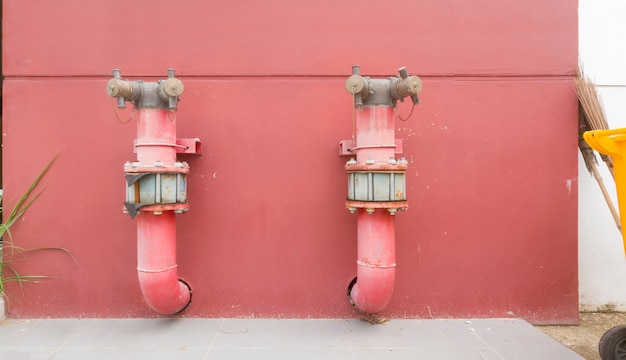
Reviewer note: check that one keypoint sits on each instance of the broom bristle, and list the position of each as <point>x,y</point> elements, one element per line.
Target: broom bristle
<point>590,102</point>
<point>588,155</point>
<point>593,117</point>
<point>587,152</point>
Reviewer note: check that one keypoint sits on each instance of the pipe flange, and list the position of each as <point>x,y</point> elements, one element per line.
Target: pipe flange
<point>137,167</point>
<point>377,167</point>
<point>179,208</point>
<point>400,205</point>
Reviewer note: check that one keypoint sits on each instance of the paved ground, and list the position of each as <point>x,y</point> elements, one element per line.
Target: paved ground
<point>201,339</point>
<point>584,338</point>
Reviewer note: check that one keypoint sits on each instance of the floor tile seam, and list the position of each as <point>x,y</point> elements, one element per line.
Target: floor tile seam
<point>211,345</point>
<point>74,336</point>
<point>18,348</point>
<point>355,348</point>
<point>489,346</point>
<point>148,347</point>
<point>279,348</point>
<point>525,346</point>
<point>131,348</point>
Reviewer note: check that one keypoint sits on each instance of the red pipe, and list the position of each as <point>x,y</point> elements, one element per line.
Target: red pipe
<point>376,262</point>
<point>375,127</point>
<point>156,126</point>
<point>156,232</point>
<point>156,263</point>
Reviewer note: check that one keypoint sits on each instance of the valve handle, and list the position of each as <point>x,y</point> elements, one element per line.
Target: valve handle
<point>114,89</point>
<point>403,73</point>
<point>415,99</point>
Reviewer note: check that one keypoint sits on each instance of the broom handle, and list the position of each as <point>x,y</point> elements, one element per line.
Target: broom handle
<point>608,161</point>
<point>607,198</point>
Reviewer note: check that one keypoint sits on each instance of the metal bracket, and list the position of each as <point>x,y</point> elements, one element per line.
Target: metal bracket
<point>347,147</point>
<point>189,146</point>
<point>182,146</point>
<point>132,209</point>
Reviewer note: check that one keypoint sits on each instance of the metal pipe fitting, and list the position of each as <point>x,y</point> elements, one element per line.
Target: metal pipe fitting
<point>358,86</point>
<point>170,89</point>
<point>123,90</point>
<point>164,94</point>
<point>383,92</point>
<point>405,85</point>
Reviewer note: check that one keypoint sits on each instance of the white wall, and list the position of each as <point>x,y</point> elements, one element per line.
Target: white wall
<point>602,264</point>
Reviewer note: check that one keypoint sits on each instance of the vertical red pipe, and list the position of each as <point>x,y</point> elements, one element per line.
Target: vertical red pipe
<point>374,126</point>
<point>156,126</point>
<point>376,264</point>
<point>376,232</point>
<point>156,263</point>
<point>156,234</point>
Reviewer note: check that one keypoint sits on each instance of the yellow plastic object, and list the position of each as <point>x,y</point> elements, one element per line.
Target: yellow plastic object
<point>613,143</point>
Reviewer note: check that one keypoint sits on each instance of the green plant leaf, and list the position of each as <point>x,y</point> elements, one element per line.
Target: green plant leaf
<point>7,271</point>
<point>19,209</point>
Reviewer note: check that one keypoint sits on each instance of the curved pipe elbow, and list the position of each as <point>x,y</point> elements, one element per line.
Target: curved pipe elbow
<point>370,292</point>
<point>164,292</point>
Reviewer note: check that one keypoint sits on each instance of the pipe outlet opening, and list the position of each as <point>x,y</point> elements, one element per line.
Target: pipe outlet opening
<point>350,286</point>
<point>190,296</point>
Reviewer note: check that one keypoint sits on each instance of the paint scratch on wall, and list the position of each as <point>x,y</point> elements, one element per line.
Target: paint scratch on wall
<point>568,184</point>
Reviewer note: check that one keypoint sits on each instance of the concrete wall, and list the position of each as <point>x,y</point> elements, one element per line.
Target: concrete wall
<point>602,269</point>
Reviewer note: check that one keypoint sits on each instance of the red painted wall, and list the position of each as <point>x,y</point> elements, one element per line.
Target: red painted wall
<point>491,230</point>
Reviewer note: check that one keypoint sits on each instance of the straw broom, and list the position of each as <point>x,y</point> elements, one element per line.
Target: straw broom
<point>591,117</point>
<point>594,118</point>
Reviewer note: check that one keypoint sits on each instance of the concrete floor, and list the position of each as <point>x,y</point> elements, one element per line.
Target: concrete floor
<point>276,339</point>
